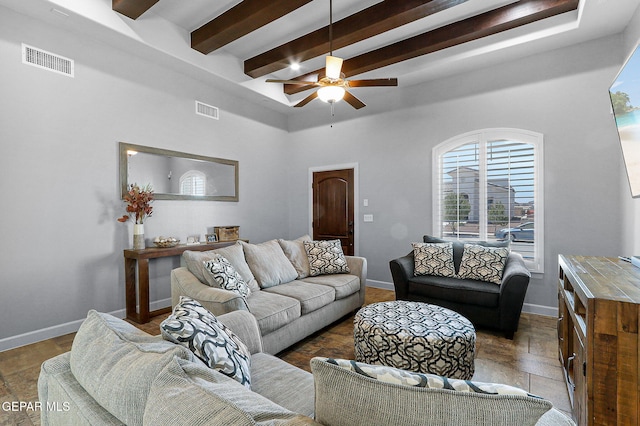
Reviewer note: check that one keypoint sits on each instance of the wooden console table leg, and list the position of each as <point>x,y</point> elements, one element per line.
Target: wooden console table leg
<point>130,288</point>
<point>143,289</point>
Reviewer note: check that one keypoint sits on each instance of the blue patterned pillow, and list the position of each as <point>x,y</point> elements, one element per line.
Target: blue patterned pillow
<point>219,272</point>
<point>192,325</point>
<point>325,257</point>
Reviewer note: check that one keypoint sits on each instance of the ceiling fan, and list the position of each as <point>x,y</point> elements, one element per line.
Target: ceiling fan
<point>333,85</point>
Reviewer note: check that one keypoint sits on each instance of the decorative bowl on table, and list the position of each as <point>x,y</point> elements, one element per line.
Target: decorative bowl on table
<point>166,242</point>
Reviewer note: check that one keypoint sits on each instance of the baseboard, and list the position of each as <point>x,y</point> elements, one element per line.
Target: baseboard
<point>35,336</point>
<point>380,284</point>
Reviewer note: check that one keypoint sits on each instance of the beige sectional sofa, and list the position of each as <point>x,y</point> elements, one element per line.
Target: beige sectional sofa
<point>290,298</point>
<point>116,374</point>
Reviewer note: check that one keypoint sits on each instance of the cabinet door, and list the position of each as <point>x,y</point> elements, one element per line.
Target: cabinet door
<point>579,377</point>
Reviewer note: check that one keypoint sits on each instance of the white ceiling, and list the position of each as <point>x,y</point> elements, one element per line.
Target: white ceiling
<point>164,30</point>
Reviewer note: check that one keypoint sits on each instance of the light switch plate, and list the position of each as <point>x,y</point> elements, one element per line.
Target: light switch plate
<point>368,218</point>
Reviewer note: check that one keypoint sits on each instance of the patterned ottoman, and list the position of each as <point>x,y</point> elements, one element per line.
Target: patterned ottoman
<point>417,337</point>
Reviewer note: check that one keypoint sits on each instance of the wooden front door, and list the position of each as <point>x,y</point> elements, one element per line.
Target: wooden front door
<point>333,202</point>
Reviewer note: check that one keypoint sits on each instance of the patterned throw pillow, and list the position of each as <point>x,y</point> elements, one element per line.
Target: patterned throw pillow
<point>194,327</point>
<point>326,257</point>
<point>483,263</point>
<point>220,273</point>
<point>431,381</point>
<point>434,259</point>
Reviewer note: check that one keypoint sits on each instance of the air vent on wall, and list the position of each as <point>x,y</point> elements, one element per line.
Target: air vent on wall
<point>47,60</point>
<point>207,110</point>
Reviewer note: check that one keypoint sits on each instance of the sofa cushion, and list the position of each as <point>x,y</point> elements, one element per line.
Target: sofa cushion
<point>220,273</point>
<point>297,255</point>
<point>325,257</point>
<point>192,326</point>
<point>194,261</point>
<point>269,264</point>
<point>468,292</point>
<point>272,311</point>
<point>483,263</point>
<point>116,363</point>
<point>344,284</point>
<point>408,398</point>
<point>434,259</point>
<point>190,394</point>
<point>458,247</point>
<point>282,383</point>
<point>310,296</point>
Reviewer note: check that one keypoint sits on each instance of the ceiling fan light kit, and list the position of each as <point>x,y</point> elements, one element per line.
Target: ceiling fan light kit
<point>333,86</point>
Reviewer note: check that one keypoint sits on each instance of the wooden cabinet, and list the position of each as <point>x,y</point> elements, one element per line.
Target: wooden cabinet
<point>599,308</point>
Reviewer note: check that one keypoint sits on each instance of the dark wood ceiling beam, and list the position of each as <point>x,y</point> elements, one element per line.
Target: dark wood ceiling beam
<point>374,20</point>
<point>132,8</point>
<point>489,23</point>
<point>240,20</point>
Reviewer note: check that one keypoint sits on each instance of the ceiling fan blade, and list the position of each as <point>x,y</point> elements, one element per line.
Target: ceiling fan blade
<point>306,100</point>
<point>353,101</point>
<point>302,82</point>
<point>373,82</point>
<point>333,67</point>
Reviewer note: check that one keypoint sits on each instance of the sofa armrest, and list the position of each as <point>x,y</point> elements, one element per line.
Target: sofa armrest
<point>401,270</point>
<point>358,266</point>
<point>245,326</point>
<point>515,281</point>
<point>218,301</point>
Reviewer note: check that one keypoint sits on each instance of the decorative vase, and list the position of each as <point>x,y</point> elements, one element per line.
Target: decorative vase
<point>138,236</point>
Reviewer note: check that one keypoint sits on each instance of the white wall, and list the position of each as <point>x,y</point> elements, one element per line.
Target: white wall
<point>562,94</point>
<point>59,185</point>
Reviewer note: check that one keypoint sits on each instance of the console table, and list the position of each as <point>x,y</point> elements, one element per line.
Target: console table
<point>139,259</point>
<point>598,342</point>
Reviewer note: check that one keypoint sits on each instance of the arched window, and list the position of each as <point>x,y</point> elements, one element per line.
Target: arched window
<point>193,183</point>
<point>488,186</point>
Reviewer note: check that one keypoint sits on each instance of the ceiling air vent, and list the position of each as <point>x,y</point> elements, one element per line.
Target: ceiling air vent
<point>207,110</point>
<point>46,60</point>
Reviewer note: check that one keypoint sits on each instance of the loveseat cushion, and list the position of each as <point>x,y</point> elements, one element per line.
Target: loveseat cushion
<point>344,284</point>
<point>268,263</point>
<point>192,326</point>
<point>310,296</point>
<point>272,311</point>
<point>468,292</point>
<point>349,393</point>
<point>190,394</point>
<point>116,363</point>
<point>194,261</point>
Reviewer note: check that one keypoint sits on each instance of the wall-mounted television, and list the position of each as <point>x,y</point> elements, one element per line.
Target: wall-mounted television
<point>625,99</point>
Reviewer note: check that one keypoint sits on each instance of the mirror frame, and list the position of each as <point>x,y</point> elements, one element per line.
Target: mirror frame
<point>124,158</point>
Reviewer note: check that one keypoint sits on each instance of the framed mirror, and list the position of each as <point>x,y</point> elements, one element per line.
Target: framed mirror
<point>177,175</point>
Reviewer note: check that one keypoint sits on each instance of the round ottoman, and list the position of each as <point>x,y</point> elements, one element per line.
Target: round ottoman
<point>417,337</point>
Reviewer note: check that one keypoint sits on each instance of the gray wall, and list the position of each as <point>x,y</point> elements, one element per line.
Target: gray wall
<point>59,165</point>
<point>59,173</point>
<point>562,94</point>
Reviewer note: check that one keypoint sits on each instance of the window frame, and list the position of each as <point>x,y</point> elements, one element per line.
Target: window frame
<point>482,137</point>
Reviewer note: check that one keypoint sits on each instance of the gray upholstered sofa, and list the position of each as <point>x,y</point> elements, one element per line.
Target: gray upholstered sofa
<point>485,304</point>
<point>116,374</point>
<point>287,301</point>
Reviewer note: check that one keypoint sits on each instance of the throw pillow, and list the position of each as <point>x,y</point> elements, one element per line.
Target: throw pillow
<point>295,252</point>
<point>458,247</point>
<point>326,257</point>
<point>194,261</point>
<point>392,395</point>
<point>220,273</point>
<point>433,259</point>
<point>483,263</point>
<point>191,325</point>
<point>269,264</point>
